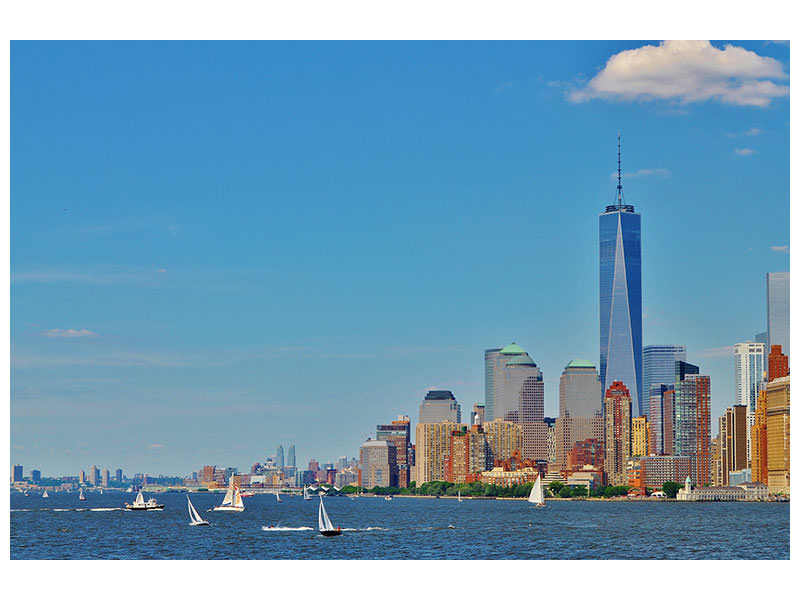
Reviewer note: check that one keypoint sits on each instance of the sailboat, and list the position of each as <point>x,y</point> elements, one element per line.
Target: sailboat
<point>196,519</point>
<point>537,493</point>
<point>45,495</point>
<point>459,496</point>
<point>278,497</point>
<point>232,500</point>
<point>306,496</point>
<point>325,526</point>
<point>81,497</point>
<point>140,504</point>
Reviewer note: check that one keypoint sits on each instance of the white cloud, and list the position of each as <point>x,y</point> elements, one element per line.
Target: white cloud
<point>161,270</point>
<point>70,333</point>
<point>753,131</point>
<point>722,351</point>
<point>779,248</point>
<point>687,71</point>
<point>642,173</point>
<point>155,446</point>
<point>744,151</point>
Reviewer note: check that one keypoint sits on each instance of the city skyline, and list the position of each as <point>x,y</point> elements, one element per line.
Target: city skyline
<point>262,280</point>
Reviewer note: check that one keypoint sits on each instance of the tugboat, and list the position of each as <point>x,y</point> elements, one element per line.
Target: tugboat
<point>140,504</point>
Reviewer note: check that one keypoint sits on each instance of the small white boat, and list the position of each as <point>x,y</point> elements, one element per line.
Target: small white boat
<point>459,496</point>
<point>537,493</point>
<point>278,497</point>
<point>45,495</point>
<point>140,504</point>
<point>81,497</point>
<point>306,495</point>
<point>388,498</point>
<point>196,518</point>
<point>326,528</point>
<point>232,500</point>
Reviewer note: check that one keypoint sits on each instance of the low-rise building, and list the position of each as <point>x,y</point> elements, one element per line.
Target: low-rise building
<point>501,477</point>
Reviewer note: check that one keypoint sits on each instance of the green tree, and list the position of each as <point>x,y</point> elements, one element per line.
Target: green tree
<point>555,486</point>
<point>670,488</point>
<point>608,491</point>
<point>565,492</point>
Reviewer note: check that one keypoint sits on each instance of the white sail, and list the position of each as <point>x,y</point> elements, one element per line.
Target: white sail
<point>45,495</point>
<point>537,492</point>
<point>193,514</point>
<point>228,499</point>
<point>324,522</point>
<point>305,494</point>
<point>459,495</point>
<point>277,496</point>
<point>139,499</point>
<point>237,498</point>
<point>82,497</point>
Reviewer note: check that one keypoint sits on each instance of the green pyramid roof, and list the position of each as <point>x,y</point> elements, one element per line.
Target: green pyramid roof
<point>579,362</point>
<point>522,359</point>
<point>512,348</point>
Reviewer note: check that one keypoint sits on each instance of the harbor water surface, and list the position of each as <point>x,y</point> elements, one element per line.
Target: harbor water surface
<point>62,527</point>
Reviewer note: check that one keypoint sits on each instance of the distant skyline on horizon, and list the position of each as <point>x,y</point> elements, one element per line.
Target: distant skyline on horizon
<point>219,247</point>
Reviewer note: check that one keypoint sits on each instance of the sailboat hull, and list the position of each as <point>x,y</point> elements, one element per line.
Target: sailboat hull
<point>229,508</point>
<point>200,523</point>
<point>157,507</point>
<point>331,533</point>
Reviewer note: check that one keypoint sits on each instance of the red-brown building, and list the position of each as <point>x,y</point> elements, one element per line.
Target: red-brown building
<point>585,452</point>
<point>777,363</point>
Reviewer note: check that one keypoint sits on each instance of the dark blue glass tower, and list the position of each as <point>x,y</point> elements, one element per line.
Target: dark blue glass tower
<point>621,296</point>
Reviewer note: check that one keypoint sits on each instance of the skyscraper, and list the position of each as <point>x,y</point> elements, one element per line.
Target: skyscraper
<point>432,450</point>
<point>378,464</point>
<point>778,310</point>
<point>279,456</point>
<point>399,433</point>
<point>733,441</point>
<point>693,424</point>
<point>18,473</point>
<point>778,436</point>
<point>489,360</point>
<point>617,433</point>
<point>104,477</point>
<point>292,462</point>
<point>495,361</point>
<point>439,405</point>
<point>580,408</point>
<point>750,371</point>
<point>621,296</point>
<point>519,397</point>
<point>658,367</point>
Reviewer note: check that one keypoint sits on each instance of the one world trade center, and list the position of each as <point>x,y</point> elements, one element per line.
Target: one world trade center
<point>621,296</point>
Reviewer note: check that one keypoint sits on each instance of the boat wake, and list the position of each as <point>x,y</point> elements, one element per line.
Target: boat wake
<point>267,528</point>
<point>105,509</point>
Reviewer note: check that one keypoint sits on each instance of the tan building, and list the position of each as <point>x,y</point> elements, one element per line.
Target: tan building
<point>617,433</point>
<point>468,455</point>
<point>503,437</point>
<point>639,436</point>
<point>432,449</point>
<point>778,436</point>
<point>758,440</point>
<point>499,476</point>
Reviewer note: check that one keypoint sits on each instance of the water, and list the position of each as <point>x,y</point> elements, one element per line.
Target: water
<point>61,527</point>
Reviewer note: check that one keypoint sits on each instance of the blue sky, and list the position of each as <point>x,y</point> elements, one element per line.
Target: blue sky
<point>220,247</point>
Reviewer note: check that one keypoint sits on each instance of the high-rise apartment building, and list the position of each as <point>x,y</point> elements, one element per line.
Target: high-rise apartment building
<point>432,447</point>
<point>279,462</point>
<point>468,456</point>
<point>658,368</point>
<point>777,363</point>
<point>750,372</point>
<point>551,439</point>
<point>94,475</point>
<point>118,475</point>
<point>778,471</point>
<point>621,296</point>
<point>733,441</point>
<point>18,473</point>
<point>378,464</point>
<point>36,475</point>
<point>292,462</point>
<point>580,408</point>
<point>503,438</point>
<point>399,433</point>
<point>639,436</point>
<point>104,477</point>
<point>439,405</point>
<point>778,310</point>
<point>617,409</point>
<point>693,424</point>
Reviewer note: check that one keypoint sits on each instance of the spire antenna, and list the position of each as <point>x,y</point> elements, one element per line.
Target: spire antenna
<point>619,171</point>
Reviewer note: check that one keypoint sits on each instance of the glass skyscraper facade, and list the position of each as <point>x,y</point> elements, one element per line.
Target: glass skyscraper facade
<point>658,368</point>
<point>778,311</point>
<point>621,299</point>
